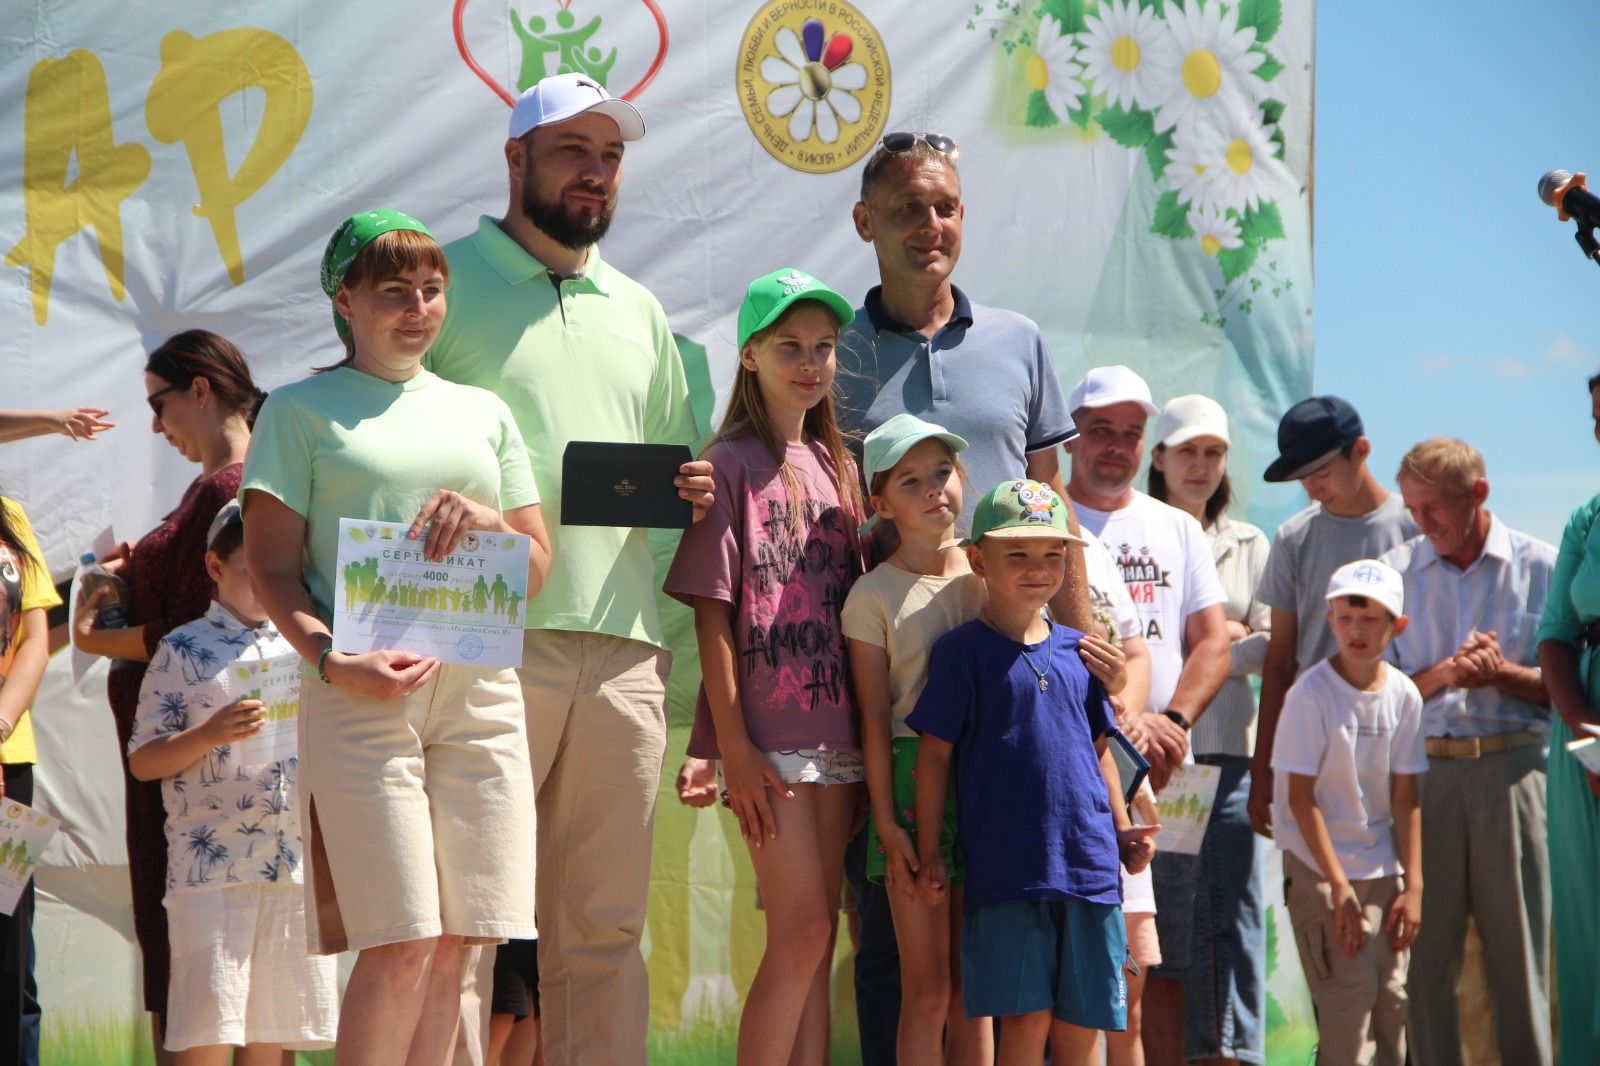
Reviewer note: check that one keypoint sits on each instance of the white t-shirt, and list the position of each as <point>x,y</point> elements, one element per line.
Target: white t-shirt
<point>1113,607</point>
<point>1353,742</point>
<point>1167,564</point>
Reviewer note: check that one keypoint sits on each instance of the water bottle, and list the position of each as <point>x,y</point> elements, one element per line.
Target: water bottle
<point>113,612</point>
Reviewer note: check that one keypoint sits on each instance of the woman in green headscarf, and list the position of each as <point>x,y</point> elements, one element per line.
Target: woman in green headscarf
<point>415,773</point>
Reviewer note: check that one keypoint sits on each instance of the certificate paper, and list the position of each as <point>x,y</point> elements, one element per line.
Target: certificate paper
<point>23,834</point>
<point>275,681</point>
<point>1185,807</point>
<point>467,608</point>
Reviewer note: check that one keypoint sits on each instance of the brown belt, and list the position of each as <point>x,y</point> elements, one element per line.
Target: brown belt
<point>1477,747</point>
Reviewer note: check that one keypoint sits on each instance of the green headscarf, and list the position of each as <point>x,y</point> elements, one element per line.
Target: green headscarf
<point>354,234</point>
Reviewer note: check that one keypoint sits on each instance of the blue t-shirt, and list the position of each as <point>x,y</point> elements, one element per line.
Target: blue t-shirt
<point>1034,816</point>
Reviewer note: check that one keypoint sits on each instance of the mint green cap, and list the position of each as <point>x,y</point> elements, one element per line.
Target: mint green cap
<point>1018,508</point>
<point>771,294</point>
<point>888,443</point>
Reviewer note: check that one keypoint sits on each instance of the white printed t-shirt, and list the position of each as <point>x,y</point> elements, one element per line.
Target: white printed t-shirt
<point>226,823</point>
<point>1352,742</point>
<point>1166,562</point>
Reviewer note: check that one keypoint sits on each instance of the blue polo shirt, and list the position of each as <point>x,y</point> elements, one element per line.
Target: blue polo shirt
<point>1033,810</point>
<point>986,375</point>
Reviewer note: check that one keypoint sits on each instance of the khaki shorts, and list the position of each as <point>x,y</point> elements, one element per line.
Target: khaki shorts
<point>419,812</point>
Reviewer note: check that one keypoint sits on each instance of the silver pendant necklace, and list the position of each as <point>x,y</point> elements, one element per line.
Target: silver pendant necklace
<point>1044,684</point>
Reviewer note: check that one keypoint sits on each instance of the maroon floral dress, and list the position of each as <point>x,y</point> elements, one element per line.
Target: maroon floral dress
<point>168,586</point>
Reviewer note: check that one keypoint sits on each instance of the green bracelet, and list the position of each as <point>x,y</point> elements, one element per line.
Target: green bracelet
<point>322,661</point>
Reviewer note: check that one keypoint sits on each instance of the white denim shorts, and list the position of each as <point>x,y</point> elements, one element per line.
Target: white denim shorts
<point>812,766</point>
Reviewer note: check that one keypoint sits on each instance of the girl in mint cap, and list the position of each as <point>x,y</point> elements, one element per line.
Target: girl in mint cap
<point>766,572</point>
<point>415,772</point>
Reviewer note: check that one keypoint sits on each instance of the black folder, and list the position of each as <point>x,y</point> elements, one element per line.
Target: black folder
<point>604,483</point>
<point>1130,764</point>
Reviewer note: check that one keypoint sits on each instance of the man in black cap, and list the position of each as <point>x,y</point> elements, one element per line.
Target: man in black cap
<point>1322,445</point>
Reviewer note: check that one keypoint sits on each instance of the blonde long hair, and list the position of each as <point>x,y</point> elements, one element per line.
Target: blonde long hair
<point>747,413</point>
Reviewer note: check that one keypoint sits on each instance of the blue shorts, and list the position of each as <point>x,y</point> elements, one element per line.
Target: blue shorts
<point>1061,955</point>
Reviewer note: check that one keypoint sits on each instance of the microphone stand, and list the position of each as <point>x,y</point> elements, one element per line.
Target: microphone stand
<point>1586,240</point>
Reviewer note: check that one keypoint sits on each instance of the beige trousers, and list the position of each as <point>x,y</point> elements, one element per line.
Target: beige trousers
<point>1360,1001</point>
<point>597,731</point>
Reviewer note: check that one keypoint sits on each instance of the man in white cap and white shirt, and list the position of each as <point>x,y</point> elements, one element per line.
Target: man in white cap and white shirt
<point>579,351</point>
<point>1166,563</point>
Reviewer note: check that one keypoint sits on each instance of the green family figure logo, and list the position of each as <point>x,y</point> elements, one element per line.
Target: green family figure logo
<point>483,601</point>
<point>555,39</point>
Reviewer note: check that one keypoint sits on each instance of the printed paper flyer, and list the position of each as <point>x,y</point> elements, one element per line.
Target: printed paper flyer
<point>466,608</point>
<point>1185,807</point>
<point>275,681</point>
<point>24,832</point>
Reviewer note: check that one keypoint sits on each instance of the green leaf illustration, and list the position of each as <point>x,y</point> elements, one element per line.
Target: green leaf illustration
<point>1080,114</point>
<point>1270,67</point>
<point>1272,110</point>
<point>1235,261</point>
<point>1265,16</point>
<point>1132,129</point>
<point>1039,113</point>
<point>357,535</point>
<point>1069,12</point>
<point>1155,153</point>
<point>1172,218</point>
<point>1146,5</point>
<point>1262,223</point>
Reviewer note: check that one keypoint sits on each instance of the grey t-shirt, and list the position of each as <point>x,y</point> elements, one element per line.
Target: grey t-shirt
<point>1307,550</point>
<point>985,376</point>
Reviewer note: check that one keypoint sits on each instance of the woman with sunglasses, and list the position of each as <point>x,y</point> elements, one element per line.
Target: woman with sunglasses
<point>203,401</point>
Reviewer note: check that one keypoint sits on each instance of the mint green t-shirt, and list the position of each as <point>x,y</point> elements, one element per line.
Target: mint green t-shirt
<point>585,358</point>
<point>345,444</point>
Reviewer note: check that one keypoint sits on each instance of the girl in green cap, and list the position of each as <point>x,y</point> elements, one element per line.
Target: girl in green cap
<point>416,773</point>
<point>766,572</point>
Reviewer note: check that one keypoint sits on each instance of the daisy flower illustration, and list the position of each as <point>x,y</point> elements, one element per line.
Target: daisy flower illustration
<point>1190,168</point>
<point>1052,70</point>
<point>1215,230</point>
<point>815,86</point>
<point>1129,54</point>
<point>1214,64</point>
<point>1242,168</point>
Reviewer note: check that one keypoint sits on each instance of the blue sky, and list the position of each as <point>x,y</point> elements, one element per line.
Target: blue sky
<point>1449,300</point>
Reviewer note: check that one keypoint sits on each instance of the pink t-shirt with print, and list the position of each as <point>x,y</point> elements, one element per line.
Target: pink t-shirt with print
<point>786,591</point>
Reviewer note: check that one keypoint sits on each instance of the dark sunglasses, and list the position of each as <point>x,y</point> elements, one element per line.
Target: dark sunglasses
<point>900,143</point>
<point>155,401</point>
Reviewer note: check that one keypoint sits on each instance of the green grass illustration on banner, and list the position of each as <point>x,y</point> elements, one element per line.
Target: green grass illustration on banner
<point>1186,85</point>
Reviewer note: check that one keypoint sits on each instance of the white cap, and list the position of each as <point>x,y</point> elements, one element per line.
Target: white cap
<point>1372,579</point>
<point>1106,385</point>
<point>563,96</point>
<point>1187,417</point>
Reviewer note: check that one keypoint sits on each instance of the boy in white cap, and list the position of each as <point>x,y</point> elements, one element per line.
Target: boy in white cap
<point>1349,823</point>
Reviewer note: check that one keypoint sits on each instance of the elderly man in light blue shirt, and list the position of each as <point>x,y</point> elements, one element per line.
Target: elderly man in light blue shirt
<point>1474,590</point>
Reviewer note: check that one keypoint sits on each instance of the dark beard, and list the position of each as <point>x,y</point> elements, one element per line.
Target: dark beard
<point>560,225</point>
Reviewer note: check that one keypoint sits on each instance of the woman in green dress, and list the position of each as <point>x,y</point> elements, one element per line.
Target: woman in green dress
<point>1569,639</point>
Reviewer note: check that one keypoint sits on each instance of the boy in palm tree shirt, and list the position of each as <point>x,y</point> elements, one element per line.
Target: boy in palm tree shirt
<point>241,972</point>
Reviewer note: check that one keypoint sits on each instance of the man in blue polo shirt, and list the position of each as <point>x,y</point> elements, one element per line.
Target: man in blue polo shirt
<point>919,345</point>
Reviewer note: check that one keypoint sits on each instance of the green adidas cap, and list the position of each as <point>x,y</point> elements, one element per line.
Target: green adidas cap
<point>1018,508</point>
<point>771,294</point>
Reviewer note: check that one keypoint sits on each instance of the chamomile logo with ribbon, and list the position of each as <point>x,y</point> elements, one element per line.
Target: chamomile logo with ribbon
<point>812,78</point>
<point>1187,84</point>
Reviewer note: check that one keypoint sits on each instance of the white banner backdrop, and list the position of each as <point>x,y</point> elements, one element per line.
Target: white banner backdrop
<point>1136,175</point>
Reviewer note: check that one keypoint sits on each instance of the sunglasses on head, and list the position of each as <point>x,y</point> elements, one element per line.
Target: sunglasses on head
<point>155,401</point>
<point>900,143</point>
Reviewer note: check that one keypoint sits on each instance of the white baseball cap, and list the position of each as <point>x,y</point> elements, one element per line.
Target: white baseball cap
<point>1103,386</point>
<point>563,96</point>
<point>1372,579</point>
<point>1187,417</point>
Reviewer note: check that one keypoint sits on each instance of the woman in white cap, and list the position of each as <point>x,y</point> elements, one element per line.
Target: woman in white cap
<point>1225,985</point>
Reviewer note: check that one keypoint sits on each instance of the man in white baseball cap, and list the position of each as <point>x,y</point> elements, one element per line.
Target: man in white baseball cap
<point>580,351</point>
<point>1166,562</point>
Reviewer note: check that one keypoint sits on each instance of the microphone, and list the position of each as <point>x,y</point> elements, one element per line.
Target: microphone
<point>1568,194</point>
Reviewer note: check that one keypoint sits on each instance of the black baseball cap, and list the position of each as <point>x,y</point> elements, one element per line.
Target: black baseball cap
<point>1310,434</point>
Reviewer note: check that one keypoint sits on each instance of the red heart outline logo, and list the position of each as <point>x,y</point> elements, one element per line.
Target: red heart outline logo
<point>511,101</point>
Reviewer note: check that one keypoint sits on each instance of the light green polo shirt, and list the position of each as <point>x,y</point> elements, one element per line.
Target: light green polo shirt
<point>345,444</point>
<point>592,359</point>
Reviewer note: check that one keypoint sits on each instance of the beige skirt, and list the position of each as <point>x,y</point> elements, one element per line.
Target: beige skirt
<point>418,812</point>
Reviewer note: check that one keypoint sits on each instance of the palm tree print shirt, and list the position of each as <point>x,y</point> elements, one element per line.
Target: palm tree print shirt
<point>227,823</point>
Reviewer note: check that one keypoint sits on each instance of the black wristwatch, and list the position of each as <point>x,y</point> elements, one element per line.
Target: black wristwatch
<point>1177,717</point>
